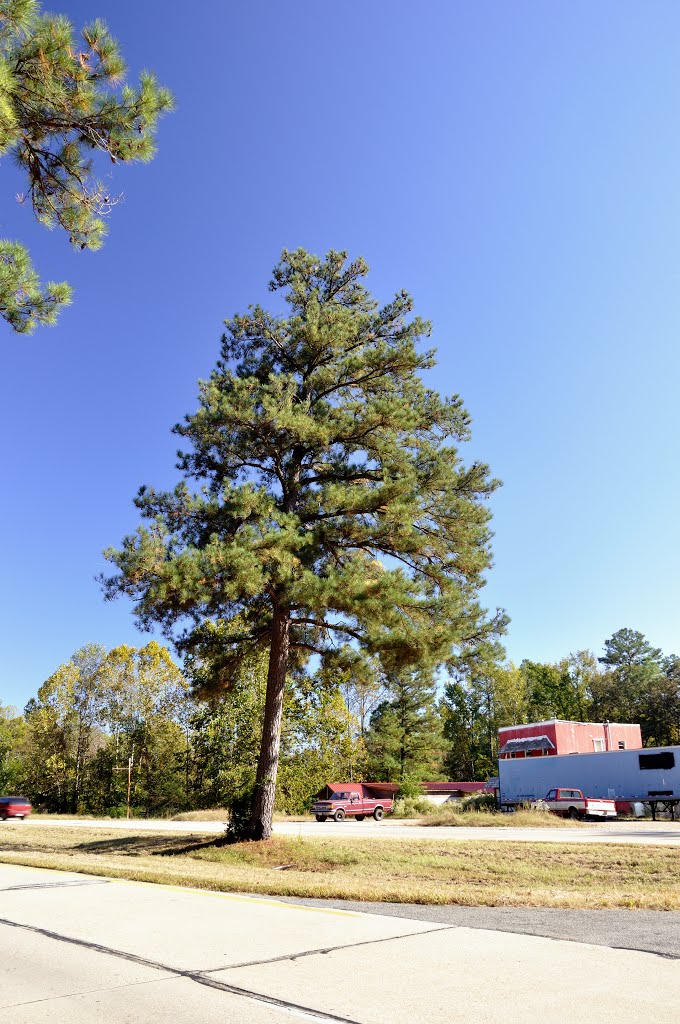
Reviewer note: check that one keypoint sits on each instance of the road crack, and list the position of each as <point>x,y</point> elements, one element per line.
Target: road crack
<point>329,949</point>
<point>199,977</point>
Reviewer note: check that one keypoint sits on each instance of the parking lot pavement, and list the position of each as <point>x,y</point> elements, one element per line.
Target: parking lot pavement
<point>76,949</point>
<point>664,833</point>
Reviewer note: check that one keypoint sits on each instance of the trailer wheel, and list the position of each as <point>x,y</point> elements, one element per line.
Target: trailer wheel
<point>321,817</point>
<point>573,814</point>
<point>359,817</point>
<point>378,813</point>
<point>339,815</point>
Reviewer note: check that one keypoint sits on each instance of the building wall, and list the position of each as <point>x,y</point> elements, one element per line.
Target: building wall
<point>628,734</point>
<point>594,737</point>
<point>576,737</point>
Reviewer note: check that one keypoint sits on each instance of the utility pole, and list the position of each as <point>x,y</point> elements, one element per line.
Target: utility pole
<point>129,782</point>
<point>129,785</point>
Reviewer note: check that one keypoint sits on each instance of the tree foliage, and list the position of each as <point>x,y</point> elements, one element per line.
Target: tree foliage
<point>482,695</point>
<point>63,99</point>
<point>405,742</point>
<point>12,730</point>
<point>90,716</point>
<point>639,685</point>
<point>333,501</point>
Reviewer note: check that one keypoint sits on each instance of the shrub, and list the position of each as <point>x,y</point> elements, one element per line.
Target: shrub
<point>410,790</point>
<point>479,802</point>
<point>413,808</point>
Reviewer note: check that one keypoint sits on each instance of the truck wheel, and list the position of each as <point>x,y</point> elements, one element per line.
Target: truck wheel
<point>321,817</point>
<point>339,815</point>
<point>359,817</point>
<point>378,813</point>
<point>573,814</point>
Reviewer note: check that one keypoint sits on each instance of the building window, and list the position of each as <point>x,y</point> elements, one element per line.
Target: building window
<point>598,744</point>
<point>622,744</point>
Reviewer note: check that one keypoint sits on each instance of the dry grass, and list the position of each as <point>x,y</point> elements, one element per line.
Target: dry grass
<point>222,814</point>
<point>487,819</point>
<point>407,871</point>
<point>37,816</point>
<point>209,814</point>
<point>443,815</point>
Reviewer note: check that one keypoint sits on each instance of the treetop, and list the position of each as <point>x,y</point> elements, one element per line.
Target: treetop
<point>332,486</point>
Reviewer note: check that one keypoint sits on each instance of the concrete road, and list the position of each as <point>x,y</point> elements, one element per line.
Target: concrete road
<point>93,951</point>
<point>666,833</point>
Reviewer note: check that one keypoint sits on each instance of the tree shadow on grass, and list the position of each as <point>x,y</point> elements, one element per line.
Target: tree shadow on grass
<point>141,846</point>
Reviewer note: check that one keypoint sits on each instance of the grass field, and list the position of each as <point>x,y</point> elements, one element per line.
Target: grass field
<point>408,871</point>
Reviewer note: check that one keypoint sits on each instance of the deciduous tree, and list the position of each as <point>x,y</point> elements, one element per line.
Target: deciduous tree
<point>63,721</point>
<point>482,695</point>
<point>12,731</point>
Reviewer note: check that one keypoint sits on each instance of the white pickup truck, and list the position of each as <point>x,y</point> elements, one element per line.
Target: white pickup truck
<point>571,803</point>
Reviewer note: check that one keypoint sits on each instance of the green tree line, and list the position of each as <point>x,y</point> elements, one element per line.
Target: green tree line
<point>631,682</point>
<point>103,711</point>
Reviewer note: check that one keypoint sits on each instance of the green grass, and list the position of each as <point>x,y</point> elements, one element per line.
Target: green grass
<point>410,871</point>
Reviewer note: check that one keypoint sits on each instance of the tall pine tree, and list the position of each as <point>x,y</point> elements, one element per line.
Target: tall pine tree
<point>62,100</point>
<point>406,740</point>
<point>333,504</point>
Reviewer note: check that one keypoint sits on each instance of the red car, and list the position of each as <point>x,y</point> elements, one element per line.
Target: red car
<point>14,807</point>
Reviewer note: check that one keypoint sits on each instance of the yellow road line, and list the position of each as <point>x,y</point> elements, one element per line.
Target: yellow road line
<point>270,902</point>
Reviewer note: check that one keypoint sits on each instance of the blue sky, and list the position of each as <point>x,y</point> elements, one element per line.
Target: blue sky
<point>516,167</point>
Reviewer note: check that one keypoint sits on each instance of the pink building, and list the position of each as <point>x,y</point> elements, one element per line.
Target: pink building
<point>538,739</point>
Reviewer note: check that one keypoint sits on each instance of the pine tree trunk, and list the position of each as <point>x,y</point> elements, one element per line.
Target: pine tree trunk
<point>268,764</point>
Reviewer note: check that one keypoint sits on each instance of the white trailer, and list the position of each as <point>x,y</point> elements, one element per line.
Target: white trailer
<point>650,775</point>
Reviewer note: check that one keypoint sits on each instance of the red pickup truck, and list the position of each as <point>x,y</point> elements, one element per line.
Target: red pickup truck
<point>350,805</point>
<point>571,803</point>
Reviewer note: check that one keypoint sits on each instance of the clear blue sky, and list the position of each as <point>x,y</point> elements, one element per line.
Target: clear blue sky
<point>515,166</point>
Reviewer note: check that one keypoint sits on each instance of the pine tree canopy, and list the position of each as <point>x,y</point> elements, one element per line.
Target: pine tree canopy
<point>628,647</point>
<point>406,739</point>
<point>63,99</point>
<point>333,504</point>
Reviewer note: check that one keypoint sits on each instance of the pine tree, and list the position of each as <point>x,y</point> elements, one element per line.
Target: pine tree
<point>62,100</point>
<point>635,671</point>
<point>406,741</point>
<point>333,503</point>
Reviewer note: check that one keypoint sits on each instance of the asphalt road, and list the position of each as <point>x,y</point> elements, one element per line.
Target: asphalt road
<point>650,931</point>
<point>666,833</point>
<point>97,951</point>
